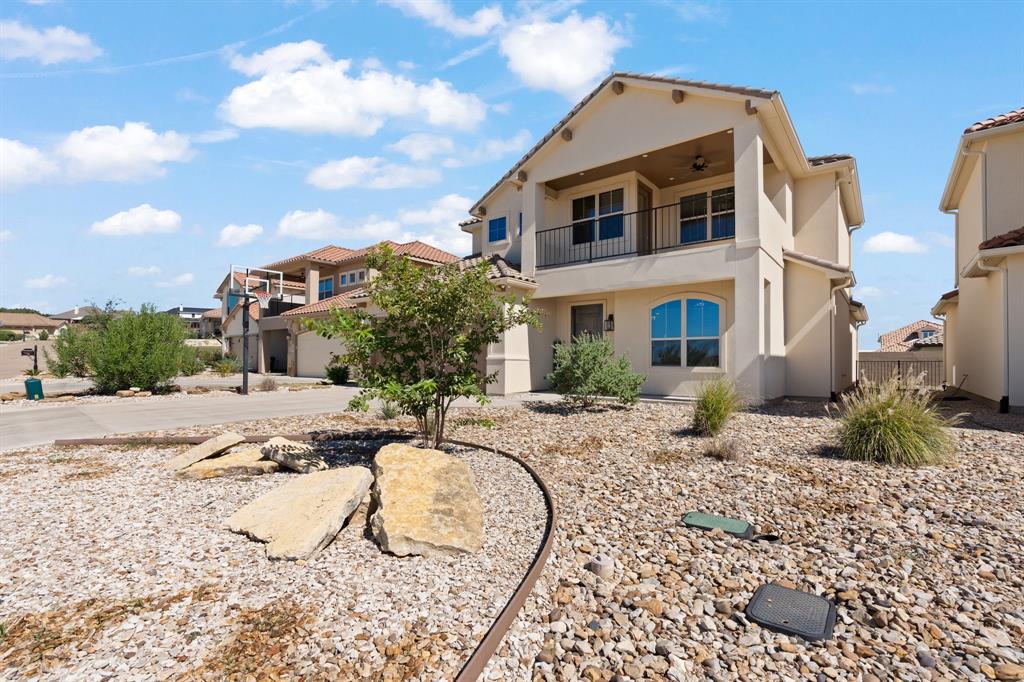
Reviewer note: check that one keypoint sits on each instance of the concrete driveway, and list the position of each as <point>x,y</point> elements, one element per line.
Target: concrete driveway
<point>12,363</point>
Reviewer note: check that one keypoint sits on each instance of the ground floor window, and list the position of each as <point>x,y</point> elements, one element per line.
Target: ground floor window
<point>587,319</point>
<point>702,341</point>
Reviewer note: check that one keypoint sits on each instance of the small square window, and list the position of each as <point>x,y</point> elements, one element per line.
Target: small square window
<point>497,229</point>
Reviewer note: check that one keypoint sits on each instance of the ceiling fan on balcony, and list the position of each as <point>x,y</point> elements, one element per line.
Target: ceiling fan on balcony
<point>701,164</point>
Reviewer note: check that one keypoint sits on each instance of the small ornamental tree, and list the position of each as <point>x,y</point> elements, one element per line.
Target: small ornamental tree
<point>422,351</point>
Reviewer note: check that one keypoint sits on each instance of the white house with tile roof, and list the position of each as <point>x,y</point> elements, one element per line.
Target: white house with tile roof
<point>684,221</point>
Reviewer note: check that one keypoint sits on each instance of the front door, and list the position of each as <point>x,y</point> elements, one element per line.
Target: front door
<point>644,224</point>
<point>588,319</point>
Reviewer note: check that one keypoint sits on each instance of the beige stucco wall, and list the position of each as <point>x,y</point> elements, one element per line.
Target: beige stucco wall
<point>1004,155</point>
<point>1015,266</point>
<point>807,332</point>
<point>815,224</point>
<point>313,352</point>
<point>977,337</point>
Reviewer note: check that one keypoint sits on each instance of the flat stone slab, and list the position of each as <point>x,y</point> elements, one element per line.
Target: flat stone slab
<point>245,463</point>
<point>209,448</point>
<point>300,457</point>
<point>427,503</point>
<point>302,516</point>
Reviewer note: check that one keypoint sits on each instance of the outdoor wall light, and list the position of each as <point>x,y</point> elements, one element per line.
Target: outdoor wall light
<point>609,324</point>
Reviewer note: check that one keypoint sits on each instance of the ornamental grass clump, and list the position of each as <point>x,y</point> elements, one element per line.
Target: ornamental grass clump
<point>717,401</point>
<point>893,422</point>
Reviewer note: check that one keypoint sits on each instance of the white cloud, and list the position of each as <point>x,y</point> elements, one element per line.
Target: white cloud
<point>143,219</point>
<point>180,280</point>
<point>439,13</point>
<point>438,224</point>
<point>6,236</point>
<point>318,224</point>
<point>238,235</point>
<point>407,65</point>
<point>370,173</point>
<point>214,136</point>
<point>423,146</point>
<point>45,282</point>
<point>893,242</point>
<point>490,150</point>
<point>21,164</point>
<point>319,95</point>
<point>48,46</point>
<point>871,89</point>
<point>283,57</point>
<point>133,152</point>
<point>143,270</point>
<point>187,94</point>
<point>868,291</point>
<point>692,11</point>
<point>568,56</point>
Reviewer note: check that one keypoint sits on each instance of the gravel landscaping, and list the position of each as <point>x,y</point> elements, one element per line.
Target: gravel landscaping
<point>111,568</point>
<point>924,564</point>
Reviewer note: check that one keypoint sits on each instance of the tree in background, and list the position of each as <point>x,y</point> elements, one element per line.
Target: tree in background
<point>422,352</point>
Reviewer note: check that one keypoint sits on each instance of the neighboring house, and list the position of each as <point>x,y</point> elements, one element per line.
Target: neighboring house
<point>76,314</point>
<point>209,324</point>
<point>191,316</point>
<point>984,313</point>
<point>683,221</point>
<point>315,283</point>
<point>29,323</point>
<point>914,336</point>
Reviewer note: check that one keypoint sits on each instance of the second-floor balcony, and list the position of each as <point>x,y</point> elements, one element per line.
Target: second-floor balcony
<point>601,230</point>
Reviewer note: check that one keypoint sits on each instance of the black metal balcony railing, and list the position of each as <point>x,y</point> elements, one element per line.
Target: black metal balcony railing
<point>639,233</point>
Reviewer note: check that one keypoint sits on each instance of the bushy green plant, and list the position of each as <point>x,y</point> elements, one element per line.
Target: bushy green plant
<point>32,372</point>
<point>227,365</point>
<point>587,369</point>
<point>893,422</point>
<point>136,349</point>
<point>8,335</point>
<point>191,363</point>
<point>387,410</point>
<point>70,350</point>
<point>336,372</point>
<point>209,356</point>
<point>44,335</point>
<point>717,401</point>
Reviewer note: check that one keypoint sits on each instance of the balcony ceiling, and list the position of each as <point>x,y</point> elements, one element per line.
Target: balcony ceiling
<point>667,166</point>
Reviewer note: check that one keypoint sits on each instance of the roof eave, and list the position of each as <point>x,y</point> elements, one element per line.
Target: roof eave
<point>951,192</point>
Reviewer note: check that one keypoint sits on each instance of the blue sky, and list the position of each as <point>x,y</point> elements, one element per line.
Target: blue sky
<point>148,146</point>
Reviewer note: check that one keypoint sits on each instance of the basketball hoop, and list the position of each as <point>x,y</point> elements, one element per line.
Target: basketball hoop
<point>264,298</point>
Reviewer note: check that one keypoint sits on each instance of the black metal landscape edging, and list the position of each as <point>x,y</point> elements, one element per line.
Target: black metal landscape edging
<point>474,666</point>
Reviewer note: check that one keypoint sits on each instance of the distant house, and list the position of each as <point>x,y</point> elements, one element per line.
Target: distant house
<point>911,337</point>
<point>191,315</point>
<point>209,324</point>
<point>76,314</point>
<point>984,313</point>
<point>29,323</point>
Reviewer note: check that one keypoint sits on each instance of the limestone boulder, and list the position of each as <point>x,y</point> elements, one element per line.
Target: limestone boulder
<point>208,448</point>
<point>427,503</point>
<point>300,457</point>
<point>245,463</point>
<point>302,516</point>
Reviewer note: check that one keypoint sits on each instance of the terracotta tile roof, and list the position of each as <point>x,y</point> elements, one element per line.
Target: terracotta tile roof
<point>471,221</point>
<point>329,253</point>
<point>933,340</point>
<point>828,158</point>
<point>341,301</point>
<point>814,260</point>
<point>1011,238</point>
<point>1015,116</point>
<point>903,338</point>
<point>212,314</point>
<point>736,89</point>
<point>499,267</point>
<point>27,321</point>
<point>338,255</point>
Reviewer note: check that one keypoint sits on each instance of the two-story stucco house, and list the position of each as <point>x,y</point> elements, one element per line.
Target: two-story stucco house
<point>684,221</point>
<point>984,314</point>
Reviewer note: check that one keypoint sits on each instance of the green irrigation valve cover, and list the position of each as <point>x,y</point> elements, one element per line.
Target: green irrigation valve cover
<point>738,527</point>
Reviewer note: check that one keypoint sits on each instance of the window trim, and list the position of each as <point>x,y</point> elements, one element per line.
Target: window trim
<point>707,188</point>
<point>503,240</point>
<point>320,290</point>
<point>652,338</point>
<point>687,337</point>
<point>585,304</point>
<point>595,221</point>
<point>682,297</point>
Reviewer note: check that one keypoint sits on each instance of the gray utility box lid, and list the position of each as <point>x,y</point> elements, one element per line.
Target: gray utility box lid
<point>792,612</point>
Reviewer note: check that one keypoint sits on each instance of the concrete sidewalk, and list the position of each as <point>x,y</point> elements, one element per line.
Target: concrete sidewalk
<point>29,425</point>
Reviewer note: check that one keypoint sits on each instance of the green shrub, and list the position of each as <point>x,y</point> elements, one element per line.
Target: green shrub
<point>8,335</point>
<point>44,335</point>
<point>717,400</point>
<point>890,423</point>
<point>70,350</point>
<point>229,364</point>
<point>587,369</point>
<point>142,349</point>
<point>337,373</point>
<point>191,363</point>
<point>209,356</point>
<point>32,372</point>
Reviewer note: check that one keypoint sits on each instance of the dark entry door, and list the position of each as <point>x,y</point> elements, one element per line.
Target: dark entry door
<point>588,319</point>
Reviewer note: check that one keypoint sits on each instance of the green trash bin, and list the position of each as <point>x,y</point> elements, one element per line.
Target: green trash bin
<point>33,389</point>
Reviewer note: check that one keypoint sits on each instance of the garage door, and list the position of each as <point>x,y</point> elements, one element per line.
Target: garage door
<point>314,352</point>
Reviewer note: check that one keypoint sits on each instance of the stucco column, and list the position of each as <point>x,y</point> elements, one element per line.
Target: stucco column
<point>533,220</point>
<point>510,358</point>
<point>748,157</point>
<point>312,283</point>
<point>748,327</point>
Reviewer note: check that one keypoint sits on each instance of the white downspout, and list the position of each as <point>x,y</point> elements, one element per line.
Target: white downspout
<point>847,282</point>
<point>1004,401</point>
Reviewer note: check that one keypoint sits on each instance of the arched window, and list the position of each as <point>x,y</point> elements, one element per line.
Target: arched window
<point>702,341</point>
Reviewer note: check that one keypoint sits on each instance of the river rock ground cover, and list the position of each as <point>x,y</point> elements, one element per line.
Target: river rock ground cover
<point>925,565</point>
<point>113,568</point>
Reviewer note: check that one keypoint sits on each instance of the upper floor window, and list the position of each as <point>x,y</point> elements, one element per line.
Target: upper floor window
<point>607,207</point>
<point>497,229</point>
<point>925,333</point>
<point>695,209</point>
<point>343,280</point>
<point>325,289</point>
<point>702,339</point>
